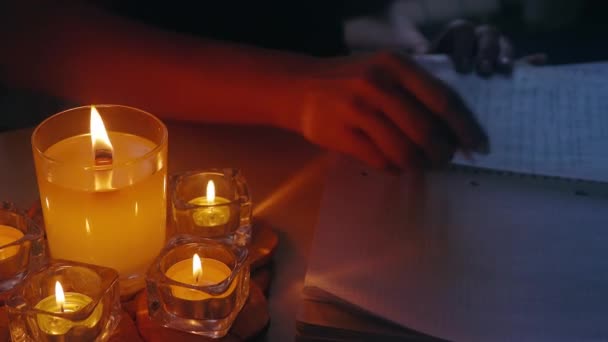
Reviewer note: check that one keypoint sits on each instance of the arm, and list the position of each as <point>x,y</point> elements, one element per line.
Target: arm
<point>382,109</point>
<point>82,53</point>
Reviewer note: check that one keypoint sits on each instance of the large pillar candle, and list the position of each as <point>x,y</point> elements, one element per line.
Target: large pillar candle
<point>104,201</point>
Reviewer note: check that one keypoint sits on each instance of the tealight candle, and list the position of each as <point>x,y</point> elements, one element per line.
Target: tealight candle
<point>9,235</point>
<point>199,272</point>
<point>22,247</point>
<point>65,303</point>
<point>221,210</point>
<point>214,211</point>
<point>200,295</point>
<point>103,192</point>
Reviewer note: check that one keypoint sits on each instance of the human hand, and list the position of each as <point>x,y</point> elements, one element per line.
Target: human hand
<point>483,48</point>
<point>387,111</point>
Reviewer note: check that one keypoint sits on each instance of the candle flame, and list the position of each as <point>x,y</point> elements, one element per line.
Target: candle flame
<point>210,192</point>
<point>99,135</point>
<point>102,151</point>
<point>59,295</point>
<point>197,267</point>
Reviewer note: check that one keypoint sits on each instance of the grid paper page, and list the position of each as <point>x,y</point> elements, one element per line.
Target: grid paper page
<point>550,121</point>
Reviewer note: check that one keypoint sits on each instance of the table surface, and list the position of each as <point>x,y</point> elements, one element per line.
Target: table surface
<point>285,174</point>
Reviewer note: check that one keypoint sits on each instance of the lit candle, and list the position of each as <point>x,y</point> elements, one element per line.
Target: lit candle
<point>102,152</point>
<point>199,272</point>
<point>65,303</point>
<point>215,212</point>
<point>105,198</point>
<point>9,235</point>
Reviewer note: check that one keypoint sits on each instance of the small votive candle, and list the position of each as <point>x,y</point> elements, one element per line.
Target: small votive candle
<point>65,301</point>
<point>198,285</point>
<point>191,272</point>
<point>213,212</point>
<point>212,203</point>
<point>62,302</point>
<point>22,247</point>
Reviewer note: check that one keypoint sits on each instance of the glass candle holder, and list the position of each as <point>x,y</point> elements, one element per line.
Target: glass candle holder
<point>104,204</point>
<point>65,301</point>
<point>212,203</point>
<point>22,247</point>
<point>206,302</point>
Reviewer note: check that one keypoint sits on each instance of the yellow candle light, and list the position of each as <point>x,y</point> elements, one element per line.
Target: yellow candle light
<point>9,235</point>
<point>199,272</point>
<point>104,197</point>
<point>214,212</point>
<point>65,303</point>
<point>102,152</point>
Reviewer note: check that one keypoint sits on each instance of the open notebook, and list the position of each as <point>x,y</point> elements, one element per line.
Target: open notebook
<point>513,247</point>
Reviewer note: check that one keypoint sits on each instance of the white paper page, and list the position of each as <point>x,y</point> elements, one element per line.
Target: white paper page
<point>543,120</point>
<point>594,69</point>
<point>465,257</point>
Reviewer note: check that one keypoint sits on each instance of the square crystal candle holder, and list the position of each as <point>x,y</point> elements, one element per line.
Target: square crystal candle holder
<point>22,247</point>
<point>90,310</point>
<point>212,203</point>
<point>205,304</point>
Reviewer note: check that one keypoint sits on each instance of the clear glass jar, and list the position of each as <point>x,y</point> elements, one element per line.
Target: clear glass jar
<point>111,214</point>
<point>179,299</point>
<point>226,215</point>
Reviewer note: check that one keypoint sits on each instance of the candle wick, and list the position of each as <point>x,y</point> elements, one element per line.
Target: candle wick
<point>196,280</point>
<point>103,157</point>
<point>62,309</point>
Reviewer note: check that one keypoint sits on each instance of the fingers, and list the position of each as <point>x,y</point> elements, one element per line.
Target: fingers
<point>505,55</point>
<point>488,50</point>
<point>439,100</point>
<point>403,119</point>
<point>494,52</point>
<point>459,42</point>
<point>394,145</point>
<point>483,48</point>
<point>362,147</point>
<point>354,143</point>
<point>389,111</point>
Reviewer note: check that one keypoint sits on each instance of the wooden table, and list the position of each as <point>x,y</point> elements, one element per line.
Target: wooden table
<point>285,174</point>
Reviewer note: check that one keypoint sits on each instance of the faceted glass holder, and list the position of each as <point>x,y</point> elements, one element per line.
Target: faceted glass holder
<point>91,310</point>
<point>22,247</point>
<point>208,309</point>
<point>229,215</point>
